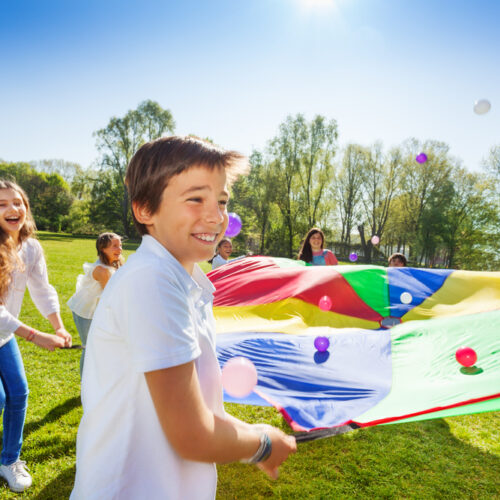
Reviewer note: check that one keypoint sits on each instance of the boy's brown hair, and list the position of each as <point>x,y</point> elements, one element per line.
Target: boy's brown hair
<point>398,257</point>
<point>156,162</point>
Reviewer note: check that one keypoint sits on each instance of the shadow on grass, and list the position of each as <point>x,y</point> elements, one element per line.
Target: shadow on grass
<point>53,415</point>
<point>413,460</point>
<point>60,487</point>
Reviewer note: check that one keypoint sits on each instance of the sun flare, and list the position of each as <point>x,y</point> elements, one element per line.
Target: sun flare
<point>311,4</point>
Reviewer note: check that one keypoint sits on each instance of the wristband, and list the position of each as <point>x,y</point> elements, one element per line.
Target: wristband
<point>263,452</point>
<point>31,335</point>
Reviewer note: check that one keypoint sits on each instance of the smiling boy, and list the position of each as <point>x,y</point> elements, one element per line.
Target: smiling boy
<point>154,423</point>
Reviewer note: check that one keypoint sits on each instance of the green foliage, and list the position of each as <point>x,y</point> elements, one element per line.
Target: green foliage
<point>66,169</point>
<point>455,457</point>
<point>379,183</point>
<point>117,143</point>
<point>284,194</point>
<point>437,212</point>
<point>49,194</point>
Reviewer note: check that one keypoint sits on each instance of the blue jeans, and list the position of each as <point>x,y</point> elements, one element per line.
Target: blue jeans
<point>83,326</point>
<point>13,400</point>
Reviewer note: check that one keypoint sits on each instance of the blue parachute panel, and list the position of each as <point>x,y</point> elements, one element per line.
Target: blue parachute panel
<point>419,283</point>
<point>315,389</point>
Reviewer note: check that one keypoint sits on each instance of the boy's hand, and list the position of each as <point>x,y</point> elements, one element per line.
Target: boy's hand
<point>61,332</point>
<point>282,446</point>
<point>48,341</point>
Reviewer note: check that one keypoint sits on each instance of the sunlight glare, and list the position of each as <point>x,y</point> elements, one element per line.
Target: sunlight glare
<point>311,4</point>
<point>318,6</point>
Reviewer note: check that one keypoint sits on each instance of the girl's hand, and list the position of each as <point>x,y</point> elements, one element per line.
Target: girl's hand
<point>282,446</point>
<point>61,332</point>
<point>48,341</point>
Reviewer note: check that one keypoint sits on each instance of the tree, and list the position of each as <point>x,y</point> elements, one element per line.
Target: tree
<point>379,181</point>
<point>66,169</point>
<point>253,199</point>
<point>118,142</point>
<point>286,151</point>
<point>347,188</point>
<point>425,187</point>
<point>49,195</point>
<point>492,165</point>
<point>472,237</point>
<point>316,170</point>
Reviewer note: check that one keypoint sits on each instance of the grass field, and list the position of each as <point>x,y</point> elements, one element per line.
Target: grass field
<point>448,458</point>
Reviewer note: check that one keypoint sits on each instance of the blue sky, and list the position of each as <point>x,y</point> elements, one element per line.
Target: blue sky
<point>233,70</point>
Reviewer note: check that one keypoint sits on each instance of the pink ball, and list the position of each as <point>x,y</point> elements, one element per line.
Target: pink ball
<point>466,356</point>
<point>325,303</point>
<point>375,240</point>
<point>239,377</point>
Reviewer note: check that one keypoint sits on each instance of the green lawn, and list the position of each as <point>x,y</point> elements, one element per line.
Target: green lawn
<point>447,458</point>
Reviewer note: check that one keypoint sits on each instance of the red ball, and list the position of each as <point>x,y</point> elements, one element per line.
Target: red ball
<point>466,356</point>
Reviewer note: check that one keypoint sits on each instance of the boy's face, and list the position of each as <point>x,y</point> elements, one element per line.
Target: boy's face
<point>192,216</point>
<point>396,262</point>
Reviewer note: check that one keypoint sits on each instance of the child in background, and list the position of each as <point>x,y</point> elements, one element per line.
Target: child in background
<point>312,250</point>
<point>90,285</point>
<point>21,263</point>
<point>222,254</point>
<point>397,260</point>
<point>153,422</point>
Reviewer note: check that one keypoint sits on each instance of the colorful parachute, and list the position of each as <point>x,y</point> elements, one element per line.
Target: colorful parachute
<point>393,336</point>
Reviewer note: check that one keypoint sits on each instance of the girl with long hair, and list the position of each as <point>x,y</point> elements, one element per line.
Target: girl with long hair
<point>22,264</point>
<point>89,286</point>
<point>312,250</point>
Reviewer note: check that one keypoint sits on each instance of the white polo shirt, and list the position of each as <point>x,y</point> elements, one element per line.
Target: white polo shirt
<point>218,260</point>
<point>151,315</point>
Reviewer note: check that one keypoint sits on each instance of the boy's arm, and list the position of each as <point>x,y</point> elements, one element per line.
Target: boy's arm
<point>197,434</point>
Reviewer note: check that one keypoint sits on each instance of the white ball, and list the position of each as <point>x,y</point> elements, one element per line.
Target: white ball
<point>482,106</point>
<point>406,298</point>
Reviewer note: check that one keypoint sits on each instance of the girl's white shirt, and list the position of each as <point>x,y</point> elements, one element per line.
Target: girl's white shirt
<point>34,276</point>
<point>218,260</point>
<point>88,290</point>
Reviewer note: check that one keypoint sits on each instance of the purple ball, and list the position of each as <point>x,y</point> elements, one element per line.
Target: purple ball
<point>234,226</point>
<point>421,158</point>
<point>321,343</point>
<point>353,257</point>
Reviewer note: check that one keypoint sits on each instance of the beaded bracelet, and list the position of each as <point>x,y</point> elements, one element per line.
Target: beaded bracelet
<point>31,335</point>
<point>263,452</point>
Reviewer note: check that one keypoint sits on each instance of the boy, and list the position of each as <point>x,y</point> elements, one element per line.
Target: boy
<point>154,424</point>
<point>397,260</point>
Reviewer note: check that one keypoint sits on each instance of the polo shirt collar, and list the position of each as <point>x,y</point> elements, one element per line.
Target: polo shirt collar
<point>196,285</point>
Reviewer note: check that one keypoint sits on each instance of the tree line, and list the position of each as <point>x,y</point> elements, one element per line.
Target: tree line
<point>436,212</point>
